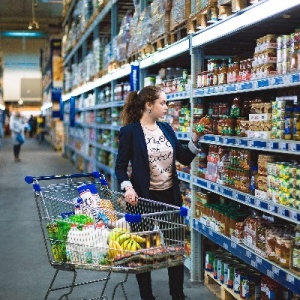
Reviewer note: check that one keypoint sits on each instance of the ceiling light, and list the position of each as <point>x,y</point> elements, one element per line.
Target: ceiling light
<point>33,23</point>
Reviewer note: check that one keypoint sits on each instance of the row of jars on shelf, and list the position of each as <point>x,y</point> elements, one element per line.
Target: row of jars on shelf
<point>276,241</point>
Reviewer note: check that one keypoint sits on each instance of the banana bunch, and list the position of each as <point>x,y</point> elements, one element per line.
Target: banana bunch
<point>122,243</point>
<point>115,250</point>
<point>131,242</point>
<point>116,232</point>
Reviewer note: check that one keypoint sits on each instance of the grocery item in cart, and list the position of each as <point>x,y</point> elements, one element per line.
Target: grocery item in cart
<point>94,206</point>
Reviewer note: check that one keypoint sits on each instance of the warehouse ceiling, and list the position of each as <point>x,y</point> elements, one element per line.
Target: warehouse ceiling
<point>16,15</point>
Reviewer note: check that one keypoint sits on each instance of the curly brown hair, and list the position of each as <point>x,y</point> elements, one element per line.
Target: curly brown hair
<point>136,102</point>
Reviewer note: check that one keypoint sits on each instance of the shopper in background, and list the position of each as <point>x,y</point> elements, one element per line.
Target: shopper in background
<point>16,127</point>
<point>152,148</point>
<point>40,128</point>
<point>32,126</point>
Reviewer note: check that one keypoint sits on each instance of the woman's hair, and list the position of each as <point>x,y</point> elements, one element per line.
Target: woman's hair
<point>136,102</point>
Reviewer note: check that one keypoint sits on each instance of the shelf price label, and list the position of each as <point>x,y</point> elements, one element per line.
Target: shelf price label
<point>208,185</point>
<point>233,245</point>
<point>275,270</point>
<point>271,207</point>
<point>292,147</point>
<point>250,143</point>
<point>253,264</point>
<point>257,202</point>
<point>258,260</point>
<point>270,274</point>
<point>281,211</point>
<point>269,145</point>
<point>237,142</point>
<point>248,199</point>
<point>282,146</point>
<point>290,278</point>
<point>210,232</point>
<point>293,215</point>
<point>225,246</point>
<point>248,254</point>
<point>235,195</point>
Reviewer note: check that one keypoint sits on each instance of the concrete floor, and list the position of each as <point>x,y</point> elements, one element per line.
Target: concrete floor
<point>25,273</point>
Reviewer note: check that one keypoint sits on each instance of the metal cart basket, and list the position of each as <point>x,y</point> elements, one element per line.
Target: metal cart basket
<point>85,225</point>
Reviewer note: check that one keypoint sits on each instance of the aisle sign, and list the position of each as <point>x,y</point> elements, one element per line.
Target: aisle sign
<point>72,112</point>
<point>135,78</point>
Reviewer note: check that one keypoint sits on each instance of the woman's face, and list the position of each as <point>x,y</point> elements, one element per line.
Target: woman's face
<point>159,108</point>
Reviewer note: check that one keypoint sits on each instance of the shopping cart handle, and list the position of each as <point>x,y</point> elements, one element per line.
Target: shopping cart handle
<point>31,179</point>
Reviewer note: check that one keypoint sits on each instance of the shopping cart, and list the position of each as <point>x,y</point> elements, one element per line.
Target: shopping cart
<point>85,225</point>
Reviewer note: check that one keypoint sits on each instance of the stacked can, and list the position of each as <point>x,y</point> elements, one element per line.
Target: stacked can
<point>282,120</point>
<point>285,45</point>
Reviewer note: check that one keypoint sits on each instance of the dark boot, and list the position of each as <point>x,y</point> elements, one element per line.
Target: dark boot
<point>176,277</point>
<point>145,286</point>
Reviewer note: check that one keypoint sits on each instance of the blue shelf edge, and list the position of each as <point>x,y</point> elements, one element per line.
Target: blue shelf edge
<point>282,276</point>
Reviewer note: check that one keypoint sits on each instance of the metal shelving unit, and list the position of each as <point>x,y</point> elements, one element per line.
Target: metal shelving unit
<point>231,36</point>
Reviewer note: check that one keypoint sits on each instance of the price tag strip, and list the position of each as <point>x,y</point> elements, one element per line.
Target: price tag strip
<point>255,144</point>
<point>184,176</point>
<point>282,276</point>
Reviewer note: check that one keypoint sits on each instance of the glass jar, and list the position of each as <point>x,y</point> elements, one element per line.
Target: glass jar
<point>296,124</point>
<point>288,120</point>
<point>235,108</point>
<point>295,263</point>
<point>285,252</point>
<point>235,71</point>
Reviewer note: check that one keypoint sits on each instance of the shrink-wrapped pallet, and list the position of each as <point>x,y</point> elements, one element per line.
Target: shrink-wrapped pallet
<point>158,16</point>
<point>124,37</point>
<point>180,12</point>
<point>140,30</point>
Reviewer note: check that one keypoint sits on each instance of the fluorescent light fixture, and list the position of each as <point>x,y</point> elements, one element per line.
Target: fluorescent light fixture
<point>244,18</point>
<point>46,106</point>
<point>165,53</point>
<point>2,107</point>
<point>18,34</point>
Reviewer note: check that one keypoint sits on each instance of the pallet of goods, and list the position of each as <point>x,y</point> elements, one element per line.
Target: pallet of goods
<point>179,14</point>
<point>160,29</point>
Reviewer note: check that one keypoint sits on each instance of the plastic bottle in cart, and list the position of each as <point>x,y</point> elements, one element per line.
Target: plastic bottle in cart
<point>80,246</point>
<point>71,244</point>
<point>88,242</point>
<point>100,248</point>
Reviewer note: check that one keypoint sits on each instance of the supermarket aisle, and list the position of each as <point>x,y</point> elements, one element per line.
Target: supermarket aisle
<point>25,272</point>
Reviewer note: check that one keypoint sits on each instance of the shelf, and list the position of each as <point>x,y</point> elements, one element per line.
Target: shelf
<point>178,96</point>
<point>283,212</point>
<point>105,148</point>
<point>86,157</point>
<point>166,53</point>
<point>108,127</point>
<point>183,135</point>
<point>244,20</point>
<point>89,30</point>
<point>270,145</point>
<point>278,81</point>
<point>282,276</point>
<point>105,168</point>
<point>106,79</point>
<point>184,176</point>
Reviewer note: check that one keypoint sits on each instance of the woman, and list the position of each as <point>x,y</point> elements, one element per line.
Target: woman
<point>17,127</point>
<point>152,148</point>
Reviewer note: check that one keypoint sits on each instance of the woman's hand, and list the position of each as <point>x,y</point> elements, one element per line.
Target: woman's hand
<point>130,195</point>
